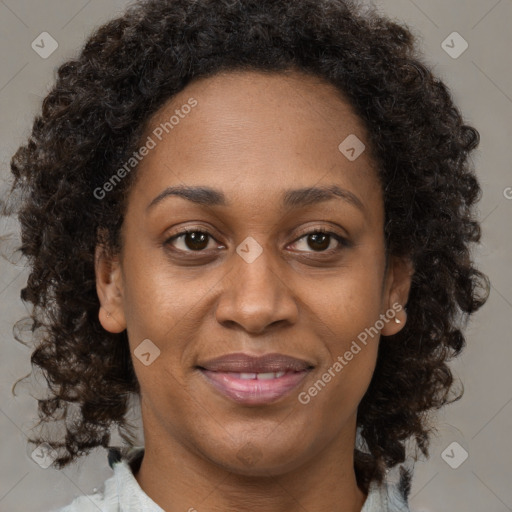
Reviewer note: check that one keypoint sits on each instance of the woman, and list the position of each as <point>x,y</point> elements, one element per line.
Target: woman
<point>257,217</point>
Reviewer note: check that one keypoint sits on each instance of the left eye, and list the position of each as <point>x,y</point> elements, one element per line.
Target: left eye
<point>320,241</point>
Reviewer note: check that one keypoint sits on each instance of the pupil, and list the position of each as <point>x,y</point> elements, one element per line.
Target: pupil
<point>323,239</point>
<point>196,240</point>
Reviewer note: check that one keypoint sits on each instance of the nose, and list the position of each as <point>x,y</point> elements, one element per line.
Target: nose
<point>256,296</point>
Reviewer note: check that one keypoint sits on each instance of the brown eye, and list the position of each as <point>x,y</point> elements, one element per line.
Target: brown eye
<point>320,241</point>
<point>192,240</point>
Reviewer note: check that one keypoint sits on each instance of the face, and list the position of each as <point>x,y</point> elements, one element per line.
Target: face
<point>267,267</point>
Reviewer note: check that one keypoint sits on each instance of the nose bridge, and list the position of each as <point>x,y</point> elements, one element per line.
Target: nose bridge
<point>253,269</point>
<point>255,295</point>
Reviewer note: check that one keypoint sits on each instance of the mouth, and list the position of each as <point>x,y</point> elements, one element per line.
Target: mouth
<point>250,380</point>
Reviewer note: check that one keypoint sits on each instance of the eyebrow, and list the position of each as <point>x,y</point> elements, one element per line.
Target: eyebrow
<point>292,198</point>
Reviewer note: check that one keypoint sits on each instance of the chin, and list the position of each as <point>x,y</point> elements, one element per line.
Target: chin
<point>260,459</point>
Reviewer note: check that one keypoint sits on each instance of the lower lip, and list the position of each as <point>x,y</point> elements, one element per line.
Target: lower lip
<point>253,391</point>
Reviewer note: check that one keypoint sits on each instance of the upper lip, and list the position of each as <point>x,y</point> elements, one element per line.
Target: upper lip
<point>245,363</point>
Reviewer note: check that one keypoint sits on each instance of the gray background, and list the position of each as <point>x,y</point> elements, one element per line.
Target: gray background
<point>481,82</point>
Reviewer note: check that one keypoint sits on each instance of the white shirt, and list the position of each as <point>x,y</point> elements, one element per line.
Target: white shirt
<point>122,493</point>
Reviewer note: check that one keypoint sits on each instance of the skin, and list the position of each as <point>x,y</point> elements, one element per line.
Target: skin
<point>252,136</point>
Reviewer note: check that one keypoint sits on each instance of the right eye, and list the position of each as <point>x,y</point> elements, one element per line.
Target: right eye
<point>190,239</point>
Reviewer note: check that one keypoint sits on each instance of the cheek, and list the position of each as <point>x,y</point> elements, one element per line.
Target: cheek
<point>349,348</point>
<point>164,306</point>
<point>340,391</point>
<point>345,311</point>
<point>349,301</point>
<point>157,297</point>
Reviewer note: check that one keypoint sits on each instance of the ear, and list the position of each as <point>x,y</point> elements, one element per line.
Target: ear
<point>109,286</point>
<point>396,294</point>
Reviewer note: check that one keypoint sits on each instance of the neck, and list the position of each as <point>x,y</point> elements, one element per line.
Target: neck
<point>179,479</point>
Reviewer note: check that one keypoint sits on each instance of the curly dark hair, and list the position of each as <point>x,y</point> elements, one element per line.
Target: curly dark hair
<point>93,120</point>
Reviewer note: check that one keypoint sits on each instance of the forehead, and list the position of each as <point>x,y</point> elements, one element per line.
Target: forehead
<point>252,133</point>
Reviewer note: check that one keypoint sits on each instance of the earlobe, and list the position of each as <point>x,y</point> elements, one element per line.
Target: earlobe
<point>397,318</point>
<point>398,294</point>
<point>109,290</point>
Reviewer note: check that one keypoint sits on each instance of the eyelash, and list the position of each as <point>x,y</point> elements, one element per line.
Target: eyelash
<point>343,242</point>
